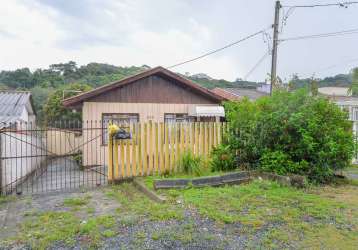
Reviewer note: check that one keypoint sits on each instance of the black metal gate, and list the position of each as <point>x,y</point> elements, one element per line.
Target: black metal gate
<point>65,155</point>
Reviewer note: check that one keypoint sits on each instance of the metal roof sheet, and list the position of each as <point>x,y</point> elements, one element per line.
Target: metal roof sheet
<point>12,103</point>
<point>252,94</point>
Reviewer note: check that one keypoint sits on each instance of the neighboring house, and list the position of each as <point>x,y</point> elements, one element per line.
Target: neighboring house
<point>16,106</point>
<point>340,96</point>
<point>157,95</point>
<point>21,150</point>
<point>235,94</point>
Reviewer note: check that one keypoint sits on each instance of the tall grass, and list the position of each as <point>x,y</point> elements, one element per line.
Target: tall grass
<point>191,164</point>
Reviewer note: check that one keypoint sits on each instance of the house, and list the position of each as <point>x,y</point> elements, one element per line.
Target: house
<point>21,152</point>
<point>235,94</point>
<point>16,107</point>
<point>344,100</point>
<point>157,95</point>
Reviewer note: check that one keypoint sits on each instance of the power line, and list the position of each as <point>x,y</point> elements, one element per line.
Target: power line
<point>219,49</point>
<point>340,4</point>
<point>257,64</point>
<point>321,35</point>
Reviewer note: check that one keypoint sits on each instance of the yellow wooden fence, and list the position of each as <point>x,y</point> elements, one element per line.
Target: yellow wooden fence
<point>156,147</point>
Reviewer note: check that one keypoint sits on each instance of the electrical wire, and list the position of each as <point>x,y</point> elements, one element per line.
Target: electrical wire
<point>340,4</point>
<point>322,35</point>
<point>257,64</point>
<point>219,49</point>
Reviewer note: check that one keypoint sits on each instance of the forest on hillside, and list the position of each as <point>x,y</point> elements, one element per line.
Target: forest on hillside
<point>66,79</point>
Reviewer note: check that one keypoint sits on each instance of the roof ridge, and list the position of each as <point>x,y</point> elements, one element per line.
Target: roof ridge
<point>127,80</point>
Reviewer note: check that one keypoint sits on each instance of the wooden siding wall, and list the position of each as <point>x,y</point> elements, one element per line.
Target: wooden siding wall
<point>153,89</point>
<point>94,153</point>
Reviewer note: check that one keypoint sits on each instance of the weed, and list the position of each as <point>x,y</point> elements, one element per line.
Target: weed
<point>73,202</point>
<point>136,204</point>
<point>108,233</point>
<point>191,164</point>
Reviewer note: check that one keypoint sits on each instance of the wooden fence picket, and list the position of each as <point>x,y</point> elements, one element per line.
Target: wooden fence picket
<point>157,147</point>
<point>161,143</point>
<point>166,157</point>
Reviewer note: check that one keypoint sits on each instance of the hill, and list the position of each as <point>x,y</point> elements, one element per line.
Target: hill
<point>43,82</point>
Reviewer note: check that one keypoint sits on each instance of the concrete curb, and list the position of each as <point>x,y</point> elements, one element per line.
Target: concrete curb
<point>234,178</point>
<point>149,193</point>
<point>167,184</point>
<point>292,180</point>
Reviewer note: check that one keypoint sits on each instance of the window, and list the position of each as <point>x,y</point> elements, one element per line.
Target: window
<point>118,119</point>
<point>172,118</point>
<point>355,113</point>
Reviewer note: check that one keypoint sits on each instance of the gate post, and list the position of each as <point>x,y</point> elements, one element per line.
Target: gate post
<point>112,151</point>
<point>110,158</point>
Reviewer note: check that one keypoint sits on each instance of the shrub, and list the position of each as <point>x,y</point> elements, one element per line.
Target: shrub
<point>223,158</point>
<point>281,163</point>
<point>191,164</point>
<point>291,132</point>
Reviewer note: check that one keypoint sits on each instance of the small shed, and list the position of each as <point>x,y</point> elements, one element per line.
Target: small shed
<point>16,106</point>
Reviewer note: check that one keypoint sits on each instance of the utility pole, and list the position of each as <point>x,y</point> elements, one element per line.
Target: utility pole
<point>274,45</point>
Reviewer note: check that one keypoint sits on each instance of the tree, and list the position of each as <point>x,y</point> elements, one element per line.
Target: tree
<point>20,78</point>
<point>314,87</point>
<point>353,89</point>
<point>54,109</point>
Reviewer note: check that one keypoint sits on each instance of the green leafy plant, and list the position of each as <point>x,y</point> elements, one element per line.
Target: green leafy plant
<point>191,164</point>
<point>281,163</point>
<point>291,132</point>
<point>223,158</point>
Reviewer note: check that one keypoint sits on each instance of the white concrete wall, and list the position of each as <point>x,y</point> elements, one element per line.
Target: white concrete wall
<point>14,170</point>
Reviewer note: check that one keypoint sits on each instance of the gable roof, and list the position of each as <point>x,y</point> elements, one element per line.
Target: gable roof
<point>12,103</point>
<point>78,99</point>
<point>238,93</point>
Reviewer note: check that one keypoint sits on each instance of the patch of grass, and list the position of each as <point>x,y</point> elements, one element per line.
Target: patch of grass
<point>296,214</point>
<point>45,228</point>
<point>40,230</point>
<point>77,201</point>
<point>134,203</point>
<point>184,233</point>
<point>149,180</point>
<point>108,233</point>
<point>6,199</point>
<point>91,210</point>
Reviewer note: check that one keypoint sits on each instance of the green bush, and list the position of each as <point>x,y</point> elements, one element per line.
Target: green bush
<point>281,163</point>
<point>291,132</point>
<point>222,158</point>
<point>191,164</point>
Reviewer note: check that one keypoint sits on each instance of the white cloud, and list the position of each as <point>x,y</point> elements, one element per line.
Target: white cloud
<point>36,33</point>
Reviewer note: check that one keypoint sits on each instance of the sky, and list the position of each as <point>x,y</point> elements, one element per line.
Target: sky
<point>37,33</point>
